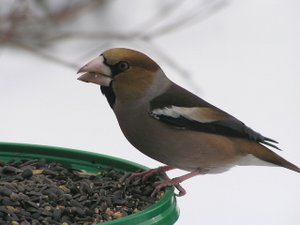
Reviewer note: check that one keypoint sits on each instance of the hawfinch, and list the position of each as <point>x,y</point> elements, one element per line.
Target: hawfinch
<point>172,125</point>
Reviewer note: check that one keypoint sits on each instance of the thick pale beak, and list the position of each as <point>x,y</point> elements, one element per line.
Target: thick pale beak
<point>96,72</point>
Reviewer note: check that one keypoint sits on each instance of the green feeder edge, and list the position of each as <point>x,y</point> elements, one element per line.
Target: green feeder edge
<point>163,212</point>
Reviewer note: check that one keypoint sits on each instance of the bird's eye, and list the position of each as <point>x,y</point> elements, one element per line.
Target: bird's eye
<point>122,66</point>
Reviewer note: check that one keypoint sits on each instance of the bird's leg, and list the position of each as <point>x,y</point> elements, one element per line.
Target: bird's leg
<point>148,173</point>
<point>181,190</point>
<point>175,182</point>
<point>162,171</point>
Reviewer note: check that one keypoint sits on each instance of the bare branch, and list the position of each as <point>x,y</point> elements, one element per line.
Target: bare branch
<point>46,56</point>
<point>33,25</point>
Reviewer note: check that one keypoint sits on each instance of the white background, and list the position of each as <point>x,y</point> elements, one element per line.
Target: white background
<point>243,59</point>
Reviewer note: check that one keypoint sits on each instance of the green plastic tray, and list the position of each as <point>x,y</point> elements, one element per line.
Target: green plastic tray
<point>163,212</point>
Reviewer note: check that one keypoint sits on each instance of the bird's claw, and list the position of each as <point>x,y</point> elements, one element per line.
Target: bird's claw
<point>144,174</point>
<point>181,190</point>
<point>167,183</point>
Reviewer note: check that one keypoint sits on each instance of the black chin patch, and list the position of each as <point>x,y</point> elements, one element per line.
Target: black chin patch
<point>109,94</point>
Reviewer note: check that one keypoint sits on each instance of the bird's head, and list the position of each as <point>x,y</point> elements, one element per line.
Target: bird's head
<point>125,73</point>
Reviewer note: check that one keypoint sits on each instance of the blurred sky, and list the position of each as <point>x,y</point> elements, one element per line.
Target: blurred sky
<point>243,58</point>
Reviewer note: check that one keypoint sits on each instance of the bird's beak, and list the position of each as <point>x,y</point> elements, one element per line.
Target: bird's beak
<point>96,72</point>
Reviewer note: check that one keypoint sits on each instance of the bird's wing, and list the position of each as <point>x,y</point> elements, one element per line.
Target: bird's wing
<point>181,109</point>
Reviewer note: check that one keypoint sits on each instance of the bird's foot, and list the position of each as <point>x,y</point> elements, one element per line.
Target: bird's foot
<point>177,186</point>
<point>145,175</point>
<point>167,183</point>
<point>174,182</point>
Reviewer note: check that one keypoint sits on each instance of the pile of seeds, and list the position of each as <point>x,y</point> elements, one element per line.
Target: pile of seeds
<point>36,192</point>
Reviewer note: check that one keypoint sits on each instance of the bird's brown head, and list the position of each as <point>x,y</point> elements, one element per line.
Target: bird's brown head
<point>125,73</point>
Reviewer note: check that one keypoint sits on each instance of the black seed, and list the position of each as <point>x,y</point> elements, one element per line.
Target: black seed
<point>27,173</point>
<point>79,211</point>
<point>5,191</point>
<point>49,172</point>
<point>28,162</point>
<point>10,170</point>
<point>25,222</point>
<point>57,214</point>
<point>36,192</point>
<point>40,164</point>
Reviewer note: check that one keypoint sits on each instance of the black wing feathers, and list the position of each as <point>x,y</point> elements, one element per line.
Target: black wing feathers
<point>230,126</point>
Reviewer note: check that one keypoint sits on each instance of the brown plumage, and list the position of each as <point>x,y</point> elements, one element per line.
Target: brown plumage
<point>172,125</point>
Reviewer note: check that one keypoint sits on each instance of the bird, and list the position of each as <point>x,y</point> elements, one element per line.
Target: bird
<point>172,125</point>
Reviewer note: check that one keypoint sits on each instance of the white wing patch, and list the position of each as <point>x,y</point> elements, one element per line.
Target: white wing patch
<point>192,113</point>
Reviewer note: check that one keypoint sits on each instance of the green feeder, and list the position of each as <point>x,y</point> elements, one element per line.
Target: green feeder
<point>163,212</point>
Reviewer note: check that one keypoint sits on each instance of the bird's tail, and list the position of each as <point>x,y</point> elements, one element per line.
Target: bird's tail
<point>284,163</point>
<point>276,159</point>
<point>291,166</point>
<point>268,155</point>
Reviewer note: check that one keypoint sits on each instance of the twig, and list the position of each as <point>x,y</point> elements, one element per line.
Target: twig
<point>46,56</point>
<point>197,14</point>
<point>26,28</point>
